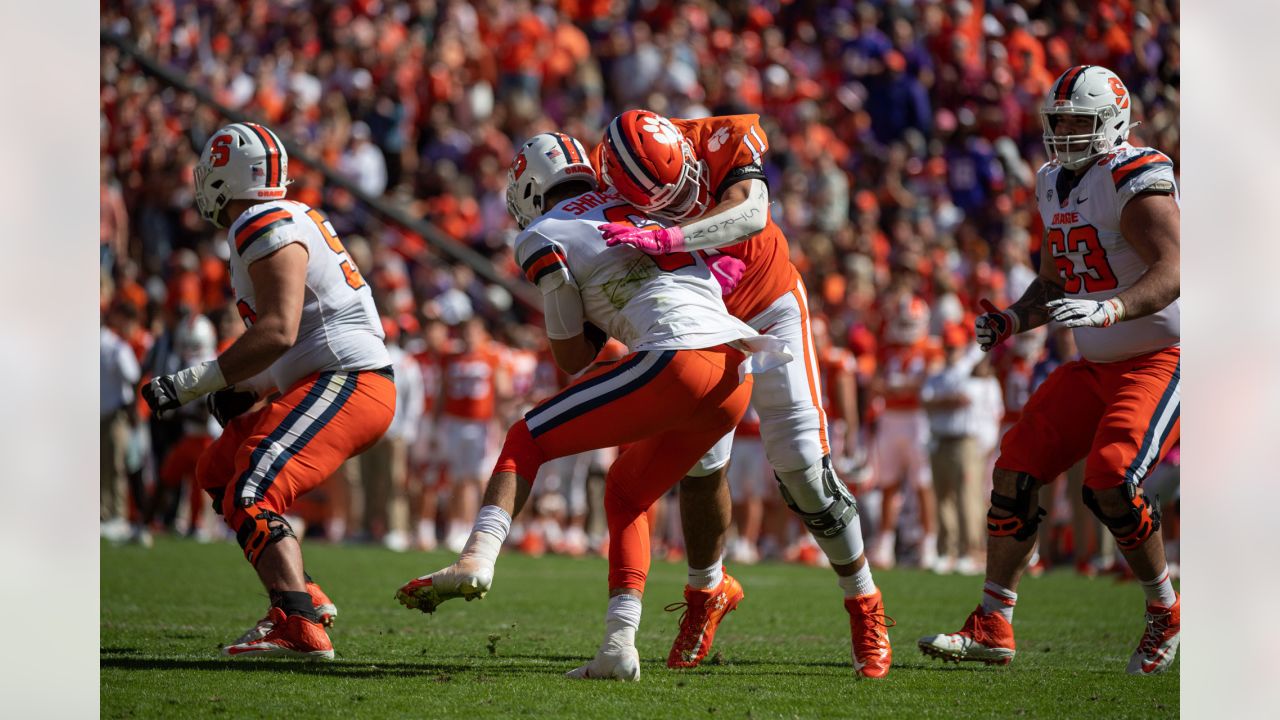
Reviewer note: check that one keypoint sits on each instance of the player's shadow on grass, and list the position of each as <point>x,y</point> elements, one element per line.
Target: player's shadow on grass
<point>352,669</point>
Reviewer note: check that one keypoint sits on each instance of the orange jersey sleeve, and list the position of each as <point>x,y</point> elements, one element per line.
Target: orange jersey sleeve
<point>733,148</point>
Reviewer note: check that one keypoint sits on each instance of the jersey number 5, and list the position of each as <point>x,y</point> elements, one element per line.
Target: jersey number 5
<point>354,279</point>
<point>621,215</point>
<point>1081,240</point>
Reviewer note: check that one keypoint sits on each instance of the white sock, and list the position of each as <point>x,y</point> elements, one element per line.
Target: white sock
<point>487,535</point>
<point>1160,590</point>
<point>621,622</point>
<point>707,578</point>
<point>859,583</point>
<point>998,598</point>
<point>427,529</point>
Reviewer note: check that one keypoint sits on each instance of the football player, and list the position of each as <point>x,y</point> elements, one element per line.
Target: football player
<point>1108,269</point>
<point>681,388</point>
<point>708,177</point>
<point>313,349</point>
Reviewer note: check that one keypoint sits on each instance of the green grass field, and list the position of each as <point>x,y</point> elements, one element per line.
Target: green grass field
<point>783,653</point>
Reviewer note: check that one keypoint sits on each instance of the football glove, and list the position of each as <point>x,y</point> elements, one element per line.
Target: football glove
<point>994,325</point>
<point>170,392</point>
<point>227,404</point>
<point>727,271</point>
<point>1074,313</point>
<point>651,242</point>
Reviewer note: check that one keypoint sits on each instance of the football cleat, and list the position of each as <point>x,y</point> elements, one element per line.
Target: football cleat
<point>870,649</point>
<point>291,636</point>
<point>985,637</point>
<point>703,611</point>
<point>1159,644</point>
<point>427,592</point>
<point>616,664</point>
<point>323,605</point>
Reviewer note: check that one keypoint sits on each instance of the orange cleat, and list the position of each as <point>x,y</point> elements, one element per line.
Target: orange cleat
<point>323,605</point>
<point>291,635</point>
<point>1159,644</point>
<point>871,652</point>
<point>704,609</point>
<point>985,637</point>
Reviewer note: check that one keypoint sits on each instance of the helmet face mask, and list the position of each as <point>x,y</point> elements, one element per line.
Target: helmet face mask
<point>241,161</point>
<point>1085,91</point>
<point>543,162</point>
<point>652,165</point>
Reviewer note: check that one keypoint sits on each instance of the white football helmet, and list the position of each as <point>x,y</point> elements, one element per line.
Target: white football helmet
<point>242,161</point>
<point>1092,91</point>
<point>544,161</point>
<point>195,339</point>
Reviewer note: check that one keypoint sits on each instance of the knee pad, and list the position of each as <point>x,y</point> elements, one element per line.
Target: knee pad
<point>520,453</point>
<point>1131,528</point>
<point>259,531</point>
<point>835,527</point>
<point>1024,506</point>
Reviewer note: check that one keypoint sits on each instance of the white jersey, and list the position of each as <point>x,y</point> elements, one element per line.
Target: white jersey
<point>648,303</point>
<point>1082,225</point>
<point>340,329</point>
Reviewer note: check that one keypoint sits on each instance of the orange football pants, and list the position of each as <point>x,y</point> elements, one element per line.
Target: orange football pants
<point>1122,417</point>
<point>669,407</point>
<point>180,464</point>
<point>269,457</point>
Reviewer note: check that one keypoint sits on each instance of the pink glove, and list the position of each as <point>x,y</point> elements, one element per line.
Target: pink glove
<point>651,242</point>
<point>727,271</point>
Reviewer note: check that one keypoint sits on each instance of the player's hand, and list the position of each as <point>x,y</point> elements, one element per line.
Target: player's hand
<point>727,271</point>
<point>227,404</point>
<point>170,392</point>
<point>1074,313</point>
<point>994,325</point>
<point>652,242</point>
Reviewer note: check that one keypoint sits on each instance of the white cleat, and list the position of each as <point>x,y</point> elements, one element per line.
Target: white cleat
<point>427,592</point>
<point>617,664</point>
<point>1159,645</point>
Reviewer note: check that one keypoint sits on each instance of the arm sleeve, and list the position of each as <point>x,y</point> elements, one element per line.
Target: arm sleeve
<point>734,224</point>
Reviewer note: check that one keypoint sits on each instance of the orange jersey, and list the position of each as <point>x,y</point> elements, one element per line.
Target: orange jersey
<point>733,147</point>
<point>904,369</point>
<point>833,363</point>
<point>469,379</point>
<point>429,363</point>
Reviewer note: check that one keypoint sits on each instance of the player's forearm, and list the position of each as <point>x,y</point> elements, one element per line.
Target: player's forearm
<point>1158,287</point>
<point>734,220</point>
<point>255,350</point>
<point>1030,308</point>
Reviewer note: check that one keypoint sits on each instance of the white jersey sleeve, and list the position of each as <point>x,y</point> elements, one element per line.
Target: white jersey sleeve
<point>1138,170</point>
<point>544,264</point>
<point>339,328</point>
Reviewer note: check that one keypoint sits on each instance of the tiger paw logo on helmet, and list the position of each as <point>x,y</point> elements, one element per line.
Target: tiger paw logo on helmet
<point>661,129</point>
<point>718,140</point>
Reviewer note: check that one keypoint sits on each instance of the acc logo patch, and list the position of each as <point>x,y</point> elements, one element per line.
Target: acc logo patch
<point>517,166</point>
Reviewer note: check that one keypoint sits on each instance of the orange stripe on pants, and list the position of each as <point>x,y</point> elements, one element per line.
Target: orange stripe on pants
<point>811,365</point>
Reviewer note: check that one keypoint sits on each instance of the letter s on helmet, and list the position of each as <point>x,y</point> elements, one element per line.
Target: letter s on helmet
<point>652,166</point>
<point>544,161</point>
<point>242,161</point>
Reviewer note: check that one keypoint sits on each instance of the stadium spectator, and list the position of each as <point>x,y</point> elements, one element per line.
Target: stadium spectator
<point>118,382</point>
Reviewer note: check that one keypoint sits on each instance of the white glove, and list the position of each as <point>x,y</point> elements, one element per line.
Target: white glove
<point>1086,313</point>
<point>170,392</point>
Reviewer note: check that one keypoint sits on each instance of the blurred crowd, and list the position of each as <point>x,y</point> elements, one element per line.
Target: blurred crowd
<point>904,140</point>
